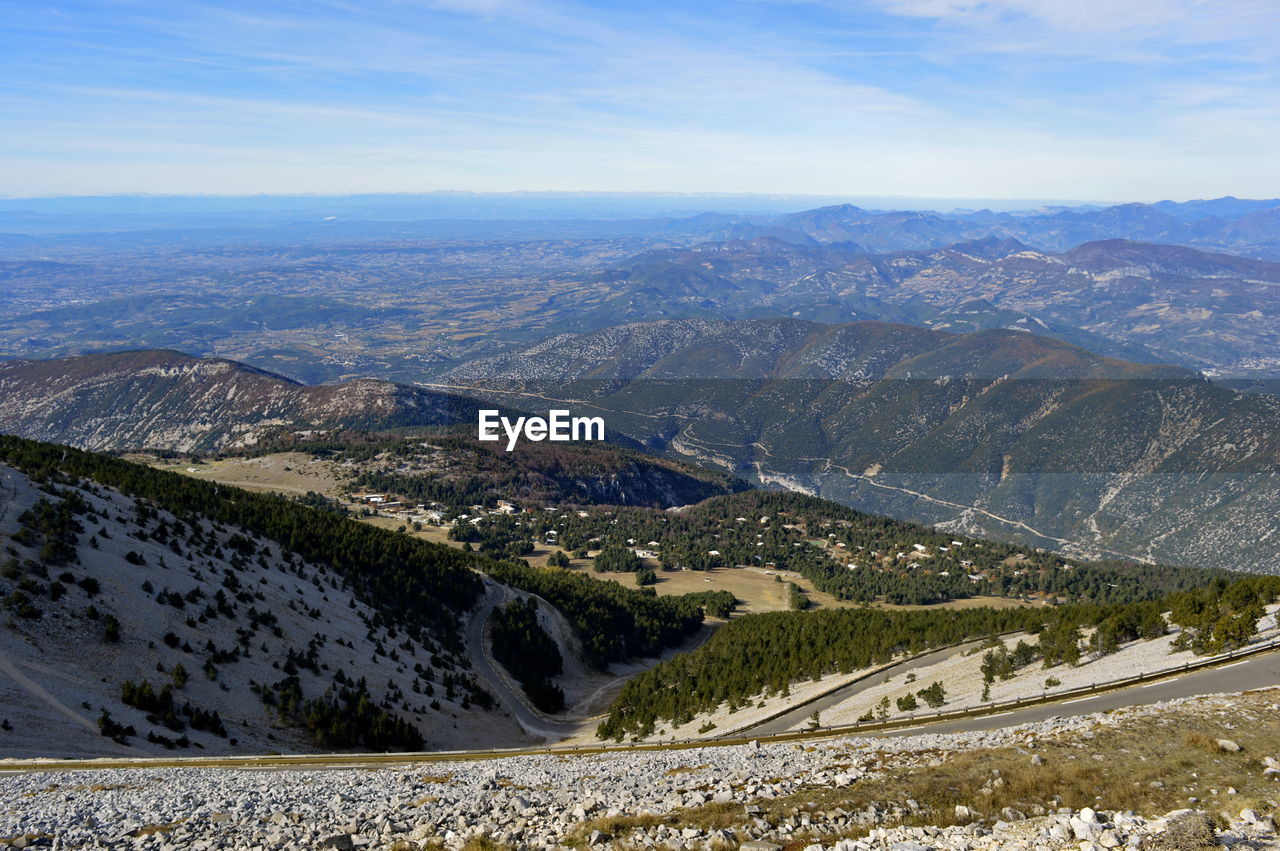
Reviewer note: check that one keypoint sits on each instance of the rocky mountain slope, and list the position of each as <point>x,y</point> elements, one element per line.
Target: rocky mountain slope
<point>134,629</point>
<point>1104,780</point>
<point>999,433</point>
<point>1135,300</point>
<point>161,399</point>
<point>139,600</point>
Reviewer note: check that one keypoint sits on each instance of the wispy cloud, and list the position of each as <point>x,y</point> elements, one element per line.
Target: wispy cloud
<point>936,97</point>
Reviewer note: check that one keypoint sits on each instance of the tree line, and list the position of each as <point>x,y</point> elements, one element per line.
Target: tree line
<point>415,583</point>
<point>764,654</point>
<point>524,648</point>
<point>853,556</point>
<point>614,623</point>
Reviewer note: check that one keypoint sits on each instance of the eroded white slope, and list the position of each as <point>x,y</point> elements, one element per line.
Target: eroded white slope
<point>58,674</point>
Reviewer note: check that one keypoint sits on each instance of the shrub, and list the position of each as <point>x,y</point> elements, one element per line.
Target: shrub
<point>935,695</point>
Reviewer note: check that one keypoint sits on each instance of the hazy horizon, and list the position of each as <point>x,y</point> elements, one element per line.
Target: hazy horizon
<point>608,204</point>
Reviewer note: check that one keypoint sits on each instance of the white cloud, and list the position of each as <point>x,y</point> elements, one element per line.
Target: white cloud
<point>483,8</point>
<point>1065,15</point>
<point>1048,98</point>
<point>1186,21</point>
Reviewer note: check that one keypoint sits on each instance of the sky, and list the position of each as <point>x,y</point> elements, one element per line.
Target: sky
<point>1110,100</point>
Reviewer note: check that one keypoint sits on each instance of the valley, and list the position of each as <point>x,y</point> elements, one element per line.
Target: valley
<point>757,589</point>
<point>1189,284</point>
<point>760,589</point>
<point>545,425</point>
<point>441,646</point>
<point>875,487</point>
<point>997,433</point>
<point>859,561</point>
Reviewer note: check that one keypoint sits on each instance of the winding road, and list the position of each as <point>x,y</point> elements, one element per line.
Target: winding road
<point>800,714</point>
<point>1260,671</point>
<point>1252,672</point>
<point>507,692</point>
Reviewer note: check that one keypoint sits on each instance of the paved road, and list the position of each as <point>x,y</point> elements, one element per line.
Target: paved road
<point>801,714</point>
<point>1254,672</point>
<point>495,595</point>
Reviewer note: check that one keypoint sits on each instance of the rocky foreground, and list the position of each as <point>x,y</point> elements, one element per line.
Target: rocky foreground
<point>845,793</point>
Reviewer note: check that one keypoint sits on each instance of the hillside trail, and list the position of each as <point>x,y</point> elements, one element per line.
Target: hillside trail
<point>9,483</point>
<point>37,691</point>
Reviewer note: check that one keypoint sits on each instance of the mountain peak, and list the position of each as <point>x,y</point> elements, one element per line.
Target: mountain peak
<point>167,400</point>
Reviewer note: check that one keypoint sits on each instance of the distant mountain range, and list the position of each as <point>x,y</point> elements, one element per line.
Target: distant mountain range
<point>1133,300</point>
<point>161,399</point>
<point>167,401</point>
<point>325,300</point>
<point>999,433</point>
<point>1245,227</point>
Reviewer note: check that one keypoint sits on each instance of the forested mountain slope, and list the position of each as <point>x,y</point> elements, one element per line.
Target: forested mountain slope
<point>149,613</point>
<point>142,601</point>
<point>853,556</point>
<point>1000,433</point>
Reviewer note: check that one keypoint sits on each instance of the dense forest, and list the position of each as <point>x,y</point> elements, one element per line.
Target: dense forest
<point>524,648</point>
<point>345,716</point>
<point>764,654</point>
<point>855,557</point>
<point>614,622</point>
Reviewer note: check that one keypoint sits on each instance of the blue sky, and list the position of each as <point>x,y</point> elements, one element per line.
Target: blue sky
<point>1085,99</point>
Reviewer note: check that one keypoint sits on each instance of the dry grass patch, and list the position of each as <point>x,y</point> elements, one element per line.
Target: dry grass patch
<point>685,769</point>
<point>1148,765</point>
<point>437,778</point>
<point>152,829</point>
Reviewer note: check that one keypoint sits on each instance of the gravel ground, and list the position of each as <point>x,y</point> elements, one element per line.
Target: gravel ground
<point>537,801</point>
